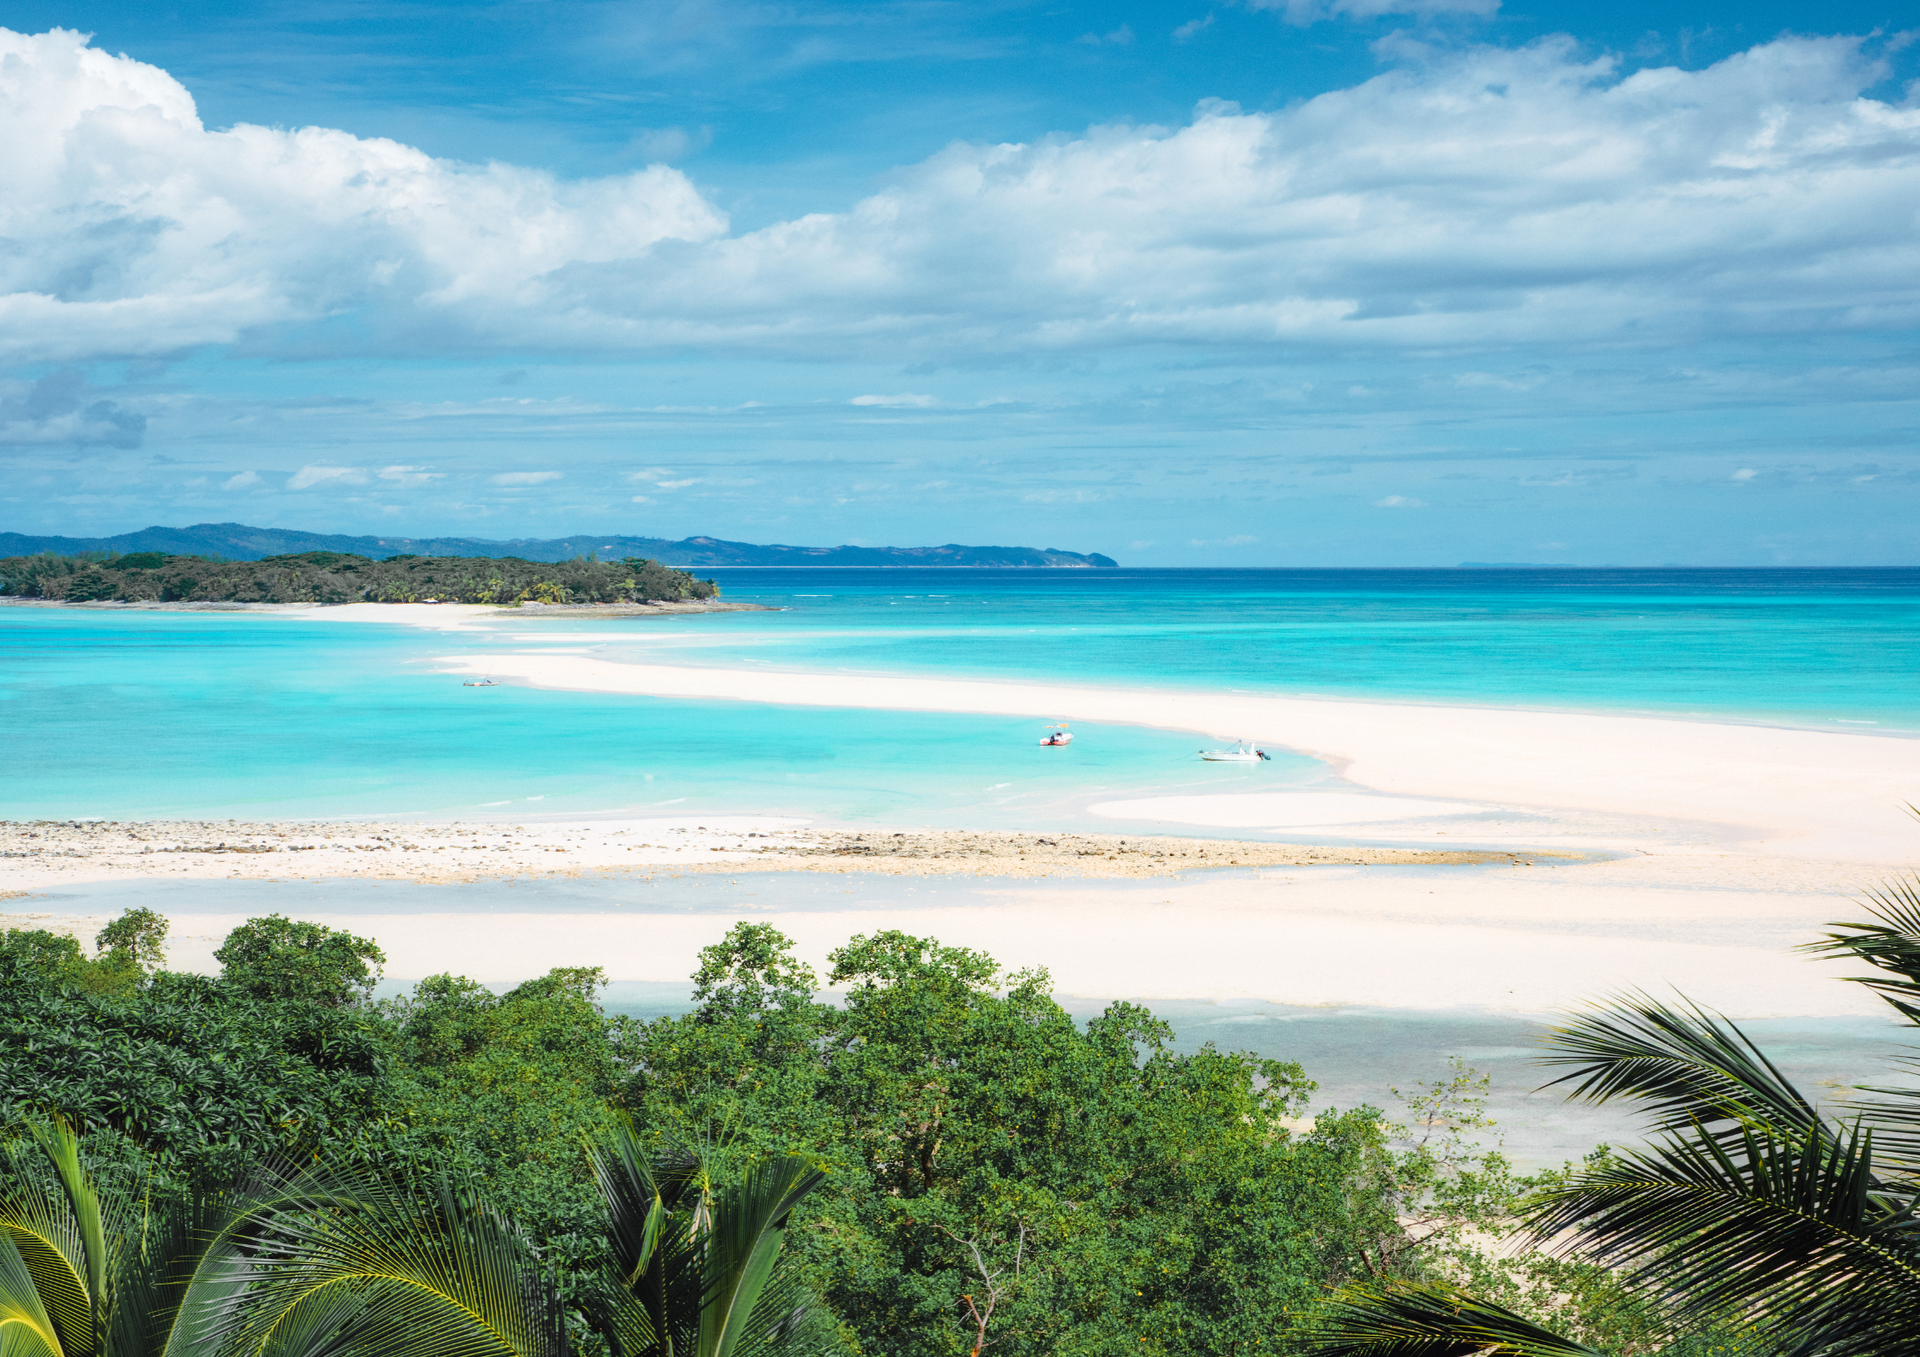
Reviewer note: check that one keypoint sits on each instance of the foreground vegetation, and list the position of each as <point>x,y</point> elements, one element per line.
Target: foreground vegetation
<point>941,1163</point>
<point>333,577</point>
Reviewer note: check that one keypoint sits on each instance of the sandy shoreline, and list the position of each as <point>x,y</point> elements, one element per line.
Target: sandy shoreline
<point>40,854</point>
<point>1752,788</point>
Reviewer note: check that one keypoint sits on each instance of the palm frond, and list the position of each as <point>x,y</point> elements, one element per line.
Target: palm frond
<point>26,1330</point>
<point>1429,1321</point>
<point>1789,1226</point>
<point>87,1210</point>
<point>53,1218</point>
<point>1694,1068</point>
<point>749,1227</point>
<point>339,1264</point>
<point>1891,943</point>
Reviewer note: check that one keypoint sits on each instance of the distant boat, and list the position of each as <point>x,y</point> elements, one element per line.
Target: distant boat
<point>481,683</point>
<point>1244,752</point>
<point>1058,735</point>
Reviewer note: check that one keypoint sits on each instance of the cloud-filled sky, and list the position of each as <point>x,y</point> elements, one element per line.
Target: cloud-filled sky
<point>1281,282</point>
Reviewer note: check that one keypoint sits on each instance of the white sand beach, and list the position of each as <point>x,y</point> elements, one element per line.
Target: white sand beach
<point>1639,783</point>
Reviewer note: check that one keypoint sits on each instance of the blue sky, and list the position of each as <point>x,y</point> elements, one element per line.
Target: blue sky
<point>1273,282</point>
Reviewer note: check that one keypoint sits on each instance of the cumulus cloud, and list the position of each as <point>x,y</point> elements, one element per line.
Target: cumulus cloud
<point>1467,199</point>
<point>526,477</point>
<point>241,480</point>
<point>133,229</point>
<point>410,475</point>
<point>60,408</point>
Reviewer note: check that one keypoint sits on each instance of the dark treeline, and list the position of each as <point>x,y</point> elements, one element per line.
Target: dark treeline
<point>997,1178</point>
<point>333,577</point>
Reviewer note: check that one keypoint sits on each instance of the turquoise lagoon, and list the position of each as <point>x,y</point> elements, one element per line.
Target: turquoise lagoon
<point>127,714</point>
<point>137,714</point>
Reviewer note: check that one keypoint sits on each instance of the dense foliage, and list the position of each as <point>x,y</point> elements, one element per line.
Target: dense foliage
<point>991,1174</point>
<point>333,577</point>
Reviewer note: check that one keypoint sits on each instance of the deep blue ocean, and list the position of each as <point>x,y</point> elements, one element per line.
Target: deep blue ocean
<point>133,714</point>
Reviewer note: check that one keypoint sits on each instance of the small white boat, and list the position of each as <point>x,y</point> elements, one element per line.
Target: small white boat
<point>1244,752</point>
<point>1058,735</point>
<point>481,683</point>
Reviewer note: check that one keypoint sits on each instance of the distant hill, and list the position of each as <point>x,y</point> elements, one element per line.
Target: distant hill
<point>238,542</point>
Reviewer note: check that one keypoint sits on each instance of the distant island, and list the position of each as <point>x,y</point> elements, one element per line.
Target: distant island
<point>238,542</point>
<point>154,577</point>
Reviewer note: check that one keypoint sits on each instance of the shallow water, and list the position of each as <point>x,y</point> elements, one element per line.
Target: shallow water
<point>130,714</point>
<point>1814,647</point>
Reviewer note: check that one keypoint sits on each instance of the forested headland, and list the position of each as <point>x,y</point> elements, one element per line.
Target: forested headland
<point>336,577</point>
<point>940,1163</point>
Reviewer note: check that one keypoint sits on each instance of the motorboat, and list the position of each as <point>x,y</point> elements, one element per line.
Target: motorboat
<point>1058,735</point>
<point>1244,752</point>
<point>481,683</point>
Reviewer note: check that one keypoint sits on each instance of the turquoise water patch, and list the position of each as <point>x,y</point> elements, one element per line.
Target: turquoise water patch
<point>133,715</point>
<point>1833,649</point>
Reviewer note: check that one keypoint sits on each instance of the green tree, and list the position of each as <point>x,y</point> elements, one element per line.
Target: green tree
<point>204,1077</point>
<point>140,934</point>
<point>999,1176</point>
<point>280,958</point>
<point>510,1090</point>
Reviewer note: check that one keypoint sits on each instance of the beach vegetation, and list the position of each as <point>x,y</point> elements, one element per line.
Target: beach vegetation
<point>333,577</point>
<point>919,1154</point>
<point>1753,1213</point>
<point>280,958</point>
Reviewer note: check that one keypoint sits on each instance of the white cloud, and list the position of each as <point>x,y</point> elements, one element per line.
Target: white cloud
<point>1192,28</point>
<point>133,229</point>
<point>241,481</point>
<point>1464,199</point>
<point>1304,12</point>
<point>677,485</point>
<point>1399,502</point>
<point>526,477</point>
<point>410,475</point>
<point>906,400</point>
<point>1745,473</point>
<point>309,476</point>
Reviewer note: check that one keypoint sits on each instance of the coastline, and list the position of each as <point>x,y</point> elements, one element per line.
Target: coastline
<point>1700,853</point>
<point>1587,779</point>
<point>455,613</point>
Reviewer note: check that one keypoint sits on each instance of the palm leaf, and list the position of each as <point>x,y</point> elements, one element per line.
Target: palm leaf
<point>1693,1067</point>
<point>342,1264</point>
<point>1792,1228</point>
<point>53,1219</point>
<point>1890,943</point>
<point>26,1330</point>
<point>749,1226</point>
<point>1429,1321</point>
